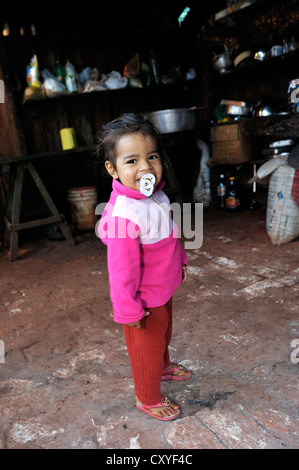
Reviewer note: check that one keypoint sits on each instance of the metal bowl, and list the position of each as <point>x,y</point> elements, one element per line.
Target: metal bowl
<point>260,55</point>
<point>168,121</point>
<point>263,111</point>
<point>235,108</point>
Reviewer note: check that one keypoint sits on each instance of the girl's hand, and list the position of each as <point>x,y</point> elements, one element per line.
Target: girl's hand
<point>137,324</point>
<point>184,273</point>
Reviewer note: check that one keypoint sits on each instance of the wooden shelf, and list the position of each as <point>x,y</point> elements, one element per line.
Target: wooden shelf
<point>278,125</point>
<point>38,156</point>
<point>255,66</point>
<point>176,86</point>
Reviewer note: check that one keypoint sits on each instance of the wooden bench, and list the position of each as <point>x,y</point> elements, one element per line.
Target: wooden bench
<point>17,166</point>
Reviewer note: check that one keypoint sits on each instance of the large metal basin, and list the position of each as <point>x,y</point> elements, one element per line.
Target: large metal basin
<point>168,121</point>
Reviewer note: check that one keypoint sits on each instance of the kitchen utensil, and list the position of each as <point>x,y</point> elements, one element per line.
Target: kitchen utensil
<point>260,55</point>
<point>254,204</point>
<point>68,138</point>
<point>174,120</point>
<point>221,62</point>
<point>276,50</point>
<point>281,143</point>
<point>279,148</point>
<point>235,108</point>
<point>241,58</point>
<point>263,110</point>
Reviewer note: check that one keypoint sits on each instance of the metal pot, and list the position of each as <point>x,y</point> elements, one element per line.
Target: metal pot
<point>168,121</point>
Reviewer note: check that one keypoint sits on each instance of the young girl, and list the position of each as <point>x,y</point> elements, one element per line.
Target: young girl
<point>146,261</point>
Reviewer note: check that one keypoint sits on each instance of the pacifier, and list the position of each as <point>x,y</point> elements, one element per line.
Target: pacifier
<point>147,183</point>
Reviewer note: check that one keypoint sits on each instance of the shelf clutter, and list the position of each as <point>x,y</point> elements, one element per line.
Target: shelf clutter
<point>66,80</point>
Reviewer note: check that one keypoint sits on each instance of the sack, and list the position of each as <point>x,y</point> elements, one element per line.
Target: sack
<point>282,220</point>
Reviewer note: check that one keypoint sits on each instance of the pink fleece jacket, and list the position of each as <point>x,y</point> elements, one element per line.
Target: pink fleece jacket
<point>144,254</point>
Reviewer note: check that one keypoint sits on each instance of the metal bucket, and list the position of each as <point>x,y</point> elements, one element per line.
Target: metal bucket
<point>168,121</point>
<point>83,202</point>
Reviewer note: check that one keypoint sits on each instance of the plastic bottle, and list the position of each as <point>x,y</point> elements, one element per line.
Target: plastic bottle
<point>221,192</point>
<point>155,69</point>
<point>232,201</point>
<point>59,71</point>
<point>70,77</point>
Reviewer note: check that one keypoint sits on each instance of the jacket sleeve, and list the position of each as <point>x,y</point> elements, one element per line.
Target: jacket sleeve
<point>124,268</point>
<point>184,256</point>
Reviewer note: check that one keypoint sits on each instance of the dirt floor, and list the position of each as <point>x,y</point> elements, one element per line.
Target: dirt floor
<point>66,382</point>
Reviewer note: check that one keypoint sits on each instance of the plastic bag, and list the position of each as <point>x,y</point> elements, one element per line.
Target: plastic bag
<point>115,81</point>
<point>33,93</point>
<point>89,75</point>
<point>32,73</point>
<point>52,85</point>
<point>84,76</point>
<point>94,85</point>
<point>132,68</point>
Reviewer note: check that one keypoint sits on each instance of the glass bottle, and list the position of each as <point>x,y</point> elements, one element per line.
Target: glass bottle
<point>232,201</point>
<point>221,192</point>
<point>155,73</point>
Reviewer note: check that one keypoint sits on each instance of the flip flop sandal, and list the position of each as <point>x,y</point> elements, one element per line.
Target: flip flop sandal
<point>165,402</point>
<point>169,375</point>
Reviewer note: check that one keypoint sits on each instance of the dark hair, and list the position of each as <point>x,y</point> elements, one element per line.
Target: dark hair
<point>111,133</point>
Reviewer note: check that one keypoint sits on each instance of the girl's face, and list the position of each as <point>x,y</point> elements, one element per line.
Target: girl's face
<point>136,155</point>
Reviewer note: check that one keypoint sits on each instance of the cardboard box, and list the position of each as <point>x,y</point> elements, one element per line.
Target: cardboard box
<point>231,143</point>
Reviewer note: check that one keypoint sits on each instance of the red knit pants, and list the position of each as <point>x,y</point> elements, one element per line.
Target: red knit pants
<point>148,352</point>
